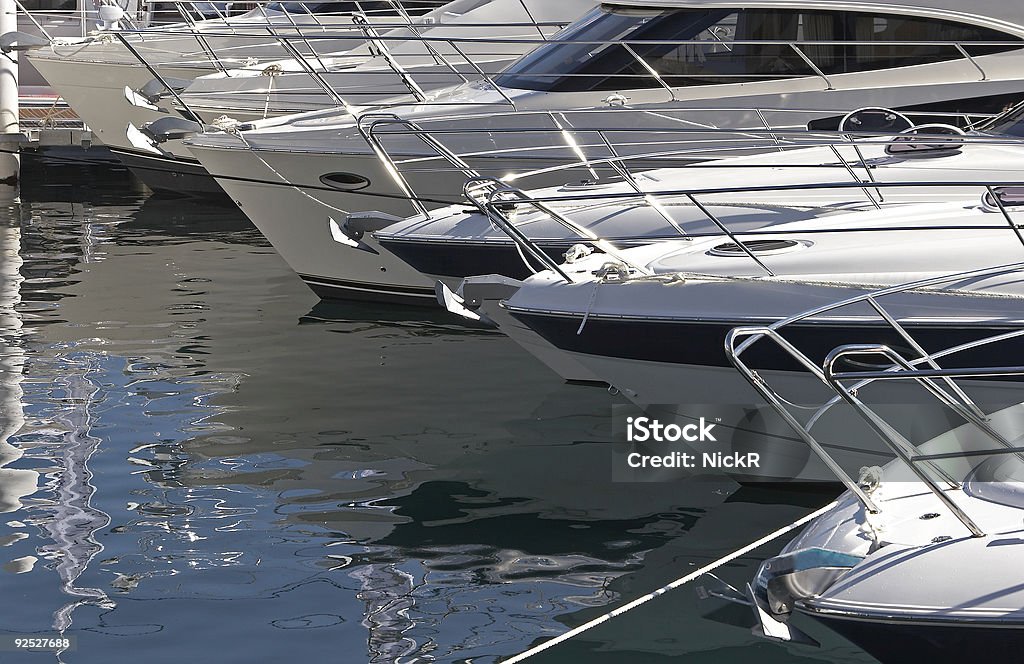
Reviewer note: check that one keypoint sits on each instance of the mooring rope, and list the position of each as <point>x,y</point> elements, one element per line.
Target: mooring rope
<point>672,586</point>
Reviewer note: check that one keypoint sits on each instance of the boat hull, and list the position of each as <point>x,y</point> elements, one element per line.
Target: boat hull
<point>892,642</point>
<point>292,211</point>
<point>95,90</point>
<point>170,175</point>
<point>277,174</point>
<point>679,372</point>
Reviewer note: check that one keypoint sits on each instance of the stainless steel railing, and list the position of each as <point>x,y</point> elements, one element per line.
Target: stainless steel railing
<point>377,35</point>
<point>923,368</point>
<point>494,198</point>
<point>498,201</point>
<point>678,137</point>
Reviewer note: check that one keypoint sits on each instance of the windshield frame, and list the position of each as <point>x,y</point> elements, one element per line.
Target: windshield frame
<point>724,45</point>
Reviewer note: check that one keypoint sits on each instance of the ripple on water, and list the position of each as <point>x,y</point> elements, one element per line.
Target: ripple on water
<point>197,455</point>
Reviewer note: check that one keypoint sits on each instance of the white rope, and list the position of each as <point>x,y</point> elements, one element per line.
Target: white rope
<point>590,305</point>
<point>270,92</point>
<point>672,586</point>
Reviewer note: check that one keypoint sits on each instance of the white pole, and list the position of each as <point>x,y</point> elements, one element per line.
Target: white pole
<point>15,483</point>
<point>10,162</point>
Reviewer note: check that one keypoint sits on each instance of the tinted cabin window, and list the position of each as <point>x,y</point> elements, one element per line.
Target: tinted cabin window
<point>341,6</point>
<point>316,7</point>
<point>49,5</point>
<point>715,57</point>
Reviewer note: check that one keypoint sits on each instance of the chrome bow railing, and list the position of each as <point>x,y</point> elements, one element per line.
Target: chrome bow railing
<point>460,56</point>
<point>917,365</point>
<point>959,50</point>
<point>499,202</point>
<point>608,144</point>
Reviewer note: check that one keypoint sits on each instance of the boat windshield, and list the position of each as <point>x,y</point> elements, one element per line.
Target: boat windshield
<point>1010,123</point>
<point>49,5</point>
<point>605,61</point>
<point>311,7</point>
<point>333,7</point>
<point>999,479</point>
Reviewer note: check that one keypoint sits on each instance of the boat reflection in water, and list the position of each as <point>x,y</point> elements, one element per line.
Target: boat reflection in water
<point>74,521</point>
<point>246,478</point>
<point>14,483</point>
<point>67,516</point>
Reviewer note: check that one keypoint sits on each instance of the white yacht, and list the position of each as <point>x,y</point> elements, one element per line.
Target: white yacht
<point>91,72</point>
<point>486,36</point>
<point>917,560</point>
<point>460,241</point>
<point>457,242</point>
<point>59,19</point>
<point>652,321</point>
<point>461,41</point>
<point>358,62</point>
<point>657,63</point>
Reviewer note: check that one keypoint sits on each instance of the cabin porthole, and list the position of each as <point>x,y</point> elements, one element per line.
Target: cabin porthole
<point>345,181</point>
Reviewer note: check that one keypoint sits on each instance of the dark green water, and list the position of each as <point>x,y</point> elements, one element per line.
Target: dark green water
<point>201,462</point>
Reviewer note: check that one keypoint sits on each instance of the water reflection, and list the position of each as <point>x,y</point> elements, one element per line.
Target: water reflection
<point>386,484</point>
<point>72,521</point>
<point>66,517</point>
<point>14,483</point>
